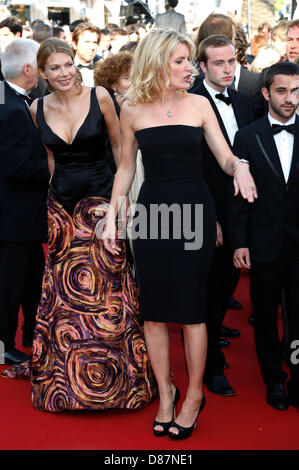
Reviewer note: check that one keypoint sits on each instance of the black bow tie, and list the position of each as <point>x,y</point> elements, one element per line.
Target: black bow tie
<point>226,99</point>
<point>27,99</point>
<point>89,66</point>
<point>276,128</point>
<point>24,97</point>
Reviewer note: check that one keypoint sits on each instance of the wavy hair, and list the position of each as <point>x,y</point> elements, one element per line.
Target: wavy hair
<point>151,59</point>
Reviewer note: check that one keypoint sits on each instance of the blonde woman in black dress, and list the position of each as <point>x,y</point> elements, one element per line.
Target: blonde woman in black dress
<point>167,124</point>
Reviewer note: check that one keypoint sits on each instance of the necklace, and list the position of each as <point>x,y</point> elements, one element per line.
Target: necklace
<point>169,112</point>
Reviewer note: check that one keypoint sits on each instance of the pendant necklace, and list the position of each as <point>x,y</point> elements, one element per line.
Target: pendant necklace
<point>169,112</point>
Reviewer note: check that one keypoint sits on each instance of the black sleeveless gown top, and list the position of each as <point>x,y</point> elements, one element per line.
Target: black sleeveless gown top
<point>82,167</point>
<point>172,274</point>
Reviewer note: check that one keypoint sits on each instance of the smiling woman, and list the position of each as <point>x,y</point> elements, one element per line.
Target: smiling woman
<point>167,124</point>
<point>89,351</point>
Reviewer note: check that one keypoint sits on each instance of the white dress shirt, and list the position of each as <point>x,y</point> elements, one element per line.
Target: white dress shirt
<point>226,112</point>
<point>284,141</point>
<point>87,74</point>
<point>19,90</point>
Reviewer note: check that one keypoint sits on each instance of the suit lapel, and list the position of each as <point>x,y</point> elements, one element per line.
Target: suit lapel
<point>267,146</point>
<point>14,94</point>
<point>295,158</point>
<point>204,92</point>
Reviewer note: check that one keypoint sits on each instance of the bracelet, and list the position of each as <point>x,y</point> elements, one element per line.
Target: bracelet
<point>241,160</point>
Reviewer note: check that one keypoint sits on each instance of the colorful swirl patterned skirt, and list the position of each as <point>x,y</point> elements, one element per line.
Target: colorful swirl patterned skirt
<point>89,351</point>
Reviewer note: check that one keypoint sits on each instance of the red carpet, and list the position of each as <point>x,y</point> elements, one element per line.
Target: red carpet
<point>241,422</point>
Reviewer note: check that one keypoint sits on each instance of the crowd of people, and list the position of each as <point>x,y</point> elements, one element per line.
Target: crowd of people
<point>216,125</point>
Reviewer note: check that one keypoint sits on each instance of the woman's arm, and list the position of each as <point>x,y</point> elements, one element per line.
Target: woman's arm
<point>111,120</point>
<point>51,162</point>
<point>124,175</point>
<point>243,180</point>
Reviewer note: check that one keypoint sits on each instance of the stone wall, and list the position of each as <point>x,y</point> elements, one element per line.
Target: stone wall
<point>260,11</point>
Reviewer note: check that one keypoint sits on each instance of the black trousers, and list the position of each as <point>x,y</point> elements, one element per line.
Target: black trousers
<point>21,271</point>
<point>223,278</point>
<point>269,281</point>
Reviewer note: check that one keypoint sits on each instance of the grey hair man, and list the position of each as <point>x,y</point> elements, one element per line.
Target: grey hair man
<point>24,179</point>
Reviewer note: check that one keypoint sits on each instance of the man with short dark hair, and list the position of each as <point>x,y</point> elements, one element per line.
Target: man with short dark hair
<point>10,28</point>
<point>24,177</point>
<point>85,41</point>
<point>171,19</point>
<point>265,235</point>
<point>41,32</point>
<point>218,63</point>
<point>59,33</point>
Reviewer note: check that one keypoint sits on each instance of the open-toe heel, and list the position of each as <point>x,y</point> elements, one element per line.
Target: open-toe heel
<point>183,432</point>
<point>166,425</point>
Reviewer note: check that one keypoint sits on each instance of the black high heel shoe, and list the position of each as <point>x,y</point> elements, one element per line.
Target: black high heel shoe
<point>184,433</point>
<point>167,425</point>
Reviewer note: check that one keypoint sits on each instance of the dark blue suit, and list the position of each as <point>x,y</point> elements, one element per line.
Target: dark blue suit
<point>24,177</point>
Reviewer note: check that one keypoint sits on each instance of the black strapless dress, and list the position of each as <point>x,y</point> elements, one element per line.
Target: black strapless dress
<point>89,350</point>
<point>173,271</point>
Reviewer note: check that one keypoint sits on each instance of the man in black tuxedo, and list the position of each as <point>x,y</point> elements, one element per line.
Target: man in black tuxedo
<point>24,177</point>
<point>266,234</point>
<point>217,61</point>
<point>85,41</point>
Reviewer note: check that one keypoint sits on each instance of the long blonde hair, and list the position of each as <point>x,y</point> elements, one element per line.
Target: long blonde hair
<point>151,59</point>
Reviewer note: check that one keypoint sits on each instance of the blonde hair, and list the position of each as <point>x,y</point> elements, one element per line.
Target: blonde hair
<point>151,59</point>
<point>51,46</point>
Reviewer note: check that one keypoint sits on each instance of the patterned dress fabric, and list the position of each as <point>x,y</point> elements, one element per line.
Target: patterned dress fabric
<point>89,351</point>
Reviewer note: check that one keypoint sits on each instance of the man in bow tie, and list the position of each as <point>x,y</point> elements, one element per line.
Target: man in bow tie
<point>24,177</point>
<point>231,107</point>
<point>85,41</point>
<point>266,235</point>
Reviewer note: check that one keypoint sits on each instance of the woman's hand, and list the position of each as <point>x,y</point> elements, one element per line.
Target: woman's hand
<point>244,183</point>
<point>219,235</point>
<point>109,237</point>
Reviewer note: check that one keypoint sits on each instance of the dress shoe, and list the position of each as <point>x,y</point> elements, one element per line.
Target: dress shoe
<point>222,342</point>
<point>166,425</point>
<point>14,356</point>
<point>229,332</point>
<point>277,397</point>
<point>234,304</point>
<point>251,319</point>
<point>183,432</point>
<point>220,386</point>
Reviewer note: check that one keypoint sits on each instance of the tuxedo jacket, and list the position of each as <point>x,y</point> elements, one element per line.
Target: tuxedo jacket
<point>272,221</point>
<point>24,174</point>
<point>249,83</point>
<point>217,180</point>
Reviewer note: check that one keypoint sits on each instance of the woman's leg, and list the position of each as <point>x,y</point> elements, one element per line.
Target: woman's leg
<point>157,343</point>
<point>195,340</point>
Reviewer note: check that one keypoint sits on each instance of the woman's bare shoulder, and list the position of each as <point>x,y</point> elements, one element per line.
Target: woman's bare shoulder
<point>197,100</point>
